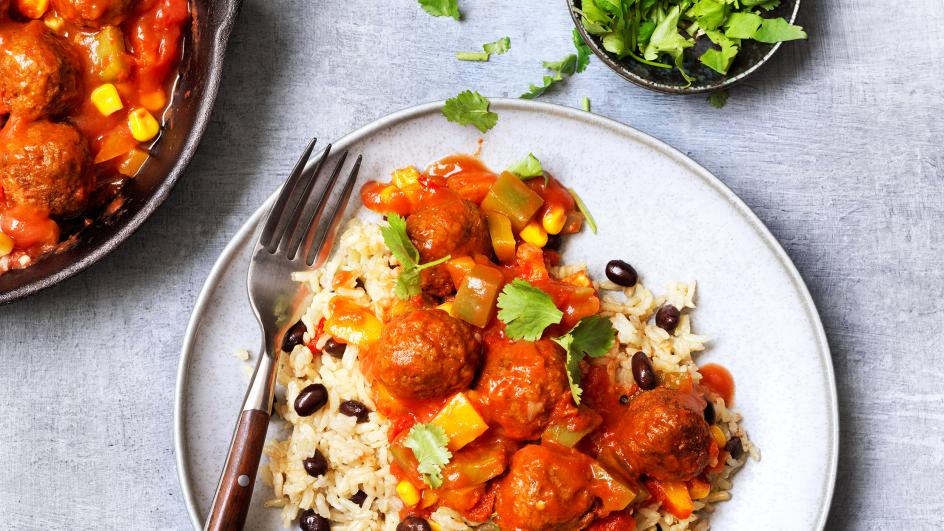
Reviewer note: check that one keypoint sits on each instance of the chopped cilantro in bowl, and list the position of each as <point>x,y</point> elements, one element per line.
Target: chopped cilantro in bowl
<point>685,46</point>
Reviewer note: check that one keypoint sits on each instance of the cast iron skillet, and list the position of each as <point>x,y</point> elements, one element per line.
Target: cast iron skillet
<point>202,64</point>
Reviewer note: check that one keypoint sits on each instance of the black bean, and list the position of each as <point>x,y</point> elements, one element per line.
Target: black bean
<point>642,372</point>
<point>710,413</point>
<point>316,465</point>
<point>413,523</point>
<point>554,242</point>
<point>311,399</point>
<point>734,447</point>
<point>294,336</point>
<point>312,521</point>
<point>359,497</point>
<point>621,273</point>
<point>334,348</point>
<point>624,399</point>
<point>667,318</point>
<point>353,408</point>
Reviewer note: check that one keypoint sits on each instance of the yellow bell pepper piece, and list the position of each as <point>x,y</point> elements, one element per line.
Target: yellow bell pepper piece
<point>143,125</point>
<point>6,244</point>
<point>461,422</point>
<point>106,99</point>
<point>405,177</point>
<point>503,239</point>
<point>32,8</point>
<point>352,323</point>
<point>133,162</point>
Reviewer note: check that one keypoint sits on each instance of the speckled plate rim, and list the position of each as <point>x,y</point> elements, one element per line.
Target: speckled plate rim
<point>497,104</point>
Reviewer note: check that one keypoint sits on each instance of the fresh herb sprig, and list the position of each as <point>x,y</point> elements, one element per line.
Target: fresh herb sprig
<point>571,64</point>
<point>441,8</point>
<point>398,241</point>
<point>429,444</point>
<point>470,108</point>
<point>593,336</point>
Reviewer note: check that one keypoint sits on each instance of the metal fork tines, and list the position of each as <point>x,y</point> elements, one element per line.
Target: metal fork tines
<point>297,235</point>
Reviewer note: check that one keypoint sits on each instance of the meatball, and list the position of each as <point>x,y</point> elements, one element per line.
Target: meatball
<point>545,489</point>
<point>519,386</point>
<point>94,13</point>
<point>46,164</point>
<point>39,72</point>
<point>447,226</point>
<point>426,354</point>
<point>663,434</point>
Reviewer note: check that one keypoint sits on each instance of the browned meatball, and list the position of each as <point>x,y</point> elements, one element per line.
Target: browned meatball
<point>94,13</point>
<point>662,434</point>
<point>448,226</point>
<point>46,164</point>
<point>426,354</point>
<point>39,72</point>
<point>545,489</point>
<point>520,384</point>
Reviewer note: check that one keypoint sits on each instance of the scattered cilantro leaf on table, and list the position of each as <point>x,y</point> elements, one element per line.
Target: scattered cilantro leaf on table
<point>584,210</point>
<point>470,108</point>
<point>441,8</point>
<point>398,241</point>
<point>498,47</point>
<point>583,52</point>
<point>593,336</point>
<point>428,442</point>
<point>527,168</point>
<point>563,69</point>
<point>472,56</point>
<point>585,103</point>
<point>718,99</point>
<point>526,310</point>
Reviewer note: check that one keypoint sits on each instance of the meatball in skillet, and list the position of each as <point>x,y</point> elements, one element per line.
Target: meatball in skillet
<point>448,226</point>
<point>46,165</point>
<point>39,72</point>
<point>426,353</point>
<point>663,434</point>
<point>94,13</point>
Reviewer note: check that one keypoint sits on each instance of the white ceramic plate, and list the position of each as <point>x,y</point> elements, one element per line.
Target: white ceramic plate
<point>657,209</point>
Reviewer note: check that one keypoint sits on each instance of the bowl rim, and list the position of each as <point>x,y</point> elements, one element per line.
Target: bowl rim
<point>219,39</point>
<point>664,88</point>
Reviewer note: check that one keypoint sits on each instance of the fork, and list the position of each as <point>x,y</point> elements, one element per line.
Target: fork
<point>297,235</point>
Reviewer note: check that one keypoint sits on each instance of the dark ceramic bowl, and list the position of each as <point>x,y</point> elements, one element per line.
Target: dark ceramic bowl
<point>751,57</point>
<point>202,64</point>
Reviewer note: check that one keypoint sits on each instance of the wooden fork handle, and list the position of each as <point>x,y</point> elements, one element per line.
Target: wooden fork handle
<point>231,503</point>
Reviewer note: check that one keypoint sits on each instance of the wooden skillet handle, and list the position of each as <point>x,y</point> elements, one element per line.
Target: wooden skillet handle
<point>231,503</point>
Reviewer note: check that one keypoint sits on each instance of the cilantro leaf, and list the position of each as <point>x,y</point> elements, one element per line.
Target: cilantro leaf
<point>718,99</point>
<point>742,25</point>
<point>593,336</point>
<point>428,442</point>
<point>441,8</point>
<point>719,60</point>
<point>584,210</point>
<point>526,310</point>
<point>667,39</point>
<point>527,167</point>
<point>778,30</point>
<point>498,47</point>
<point>472,56</point>
<point>398,241</point>
<point>583,52</point>
<point>470,108</point>
<point>585,103</point>
<point>709,14</point>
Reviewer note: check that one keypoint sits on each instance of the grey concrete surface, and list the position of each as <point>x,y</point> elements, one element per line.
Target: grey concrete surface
<point>837,145</point>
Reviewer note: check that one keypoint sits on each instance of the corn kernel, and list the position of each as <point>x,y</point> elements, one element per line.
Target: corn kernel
<point>54,23</point>
<point>534,234</point>
<point>153,101</point>
<point>6,244</point>
<point>408,493</point>
<point>446,307</point>
<point>434,526</point>
<point>718,436</point>
<point>404,177</point>
<point>553,220</point>
<point>106,99</point>
<point>143,125</point>
<point>32,8</point>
